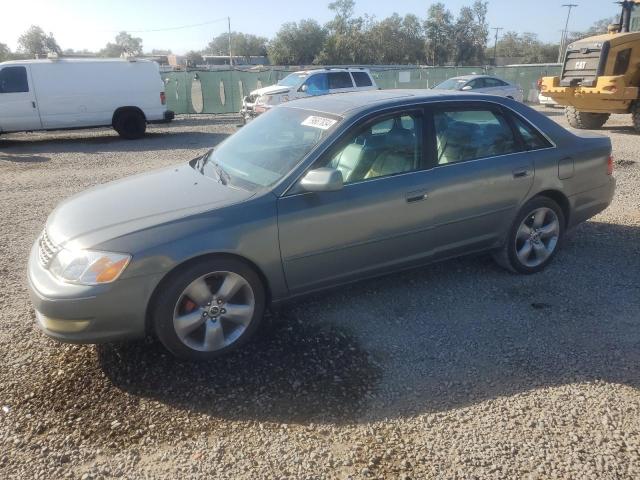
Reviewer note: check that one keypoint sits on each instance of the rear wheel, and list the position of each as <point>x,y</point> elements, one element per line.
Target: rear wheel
<point>635,116</point>
<point>130,124</point>
<point>209,309</point>
<point>585,120</point>
<point>534,237</point>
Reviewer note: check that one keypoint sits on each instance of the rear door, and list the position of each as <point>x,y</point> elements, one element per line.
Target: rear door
<point>18,103</point>
<point>340,82</point>
<point>480,175</point>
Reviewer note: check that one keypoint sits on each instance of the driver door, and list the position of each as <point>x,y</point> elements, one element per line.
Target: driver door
<point>373,222</point>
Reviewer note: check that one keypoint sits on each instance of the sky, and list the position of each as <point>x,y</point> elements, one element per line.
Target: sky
<point>90,24</point>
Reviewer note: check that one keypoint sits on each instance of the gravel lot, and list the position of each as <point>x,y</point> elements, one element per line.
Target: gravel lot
<point>458,370</point>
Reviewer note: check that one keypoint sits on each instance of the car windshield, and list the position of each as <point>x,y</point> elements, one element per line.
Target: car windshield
<point>292,80</point>
<point>265,150</point>
<point>451,84</point>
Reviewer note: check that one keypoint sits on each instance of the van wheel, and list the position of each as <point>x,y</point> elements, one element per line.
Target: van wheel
<point>209,308</point>
<point>585,120</point>
<point>130,124</point>
<point>635,116</point>
<point>534,238</point>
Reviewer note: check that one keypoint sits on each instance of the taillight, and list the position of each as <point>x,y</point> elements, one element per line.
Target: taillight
<point>610,165</point>
<point>163,98</point>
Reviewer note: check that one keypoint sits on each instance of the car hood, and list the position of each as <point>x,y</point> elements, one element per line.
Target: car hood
<point>135,203</point>
<point>271,90</point>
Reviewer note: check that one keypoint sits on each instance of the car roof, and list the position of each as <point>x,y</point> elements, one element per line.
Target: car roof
<point>324,70</point>
<point>352,103</point>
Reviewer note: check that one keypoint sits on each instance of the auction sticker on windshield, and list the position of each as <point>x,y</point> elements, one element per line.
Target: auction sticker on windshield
<point>319,122</point>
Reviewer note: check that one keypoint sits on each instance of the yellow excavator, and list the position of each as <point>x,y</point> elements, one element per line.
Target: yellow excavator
<point>600,75</point>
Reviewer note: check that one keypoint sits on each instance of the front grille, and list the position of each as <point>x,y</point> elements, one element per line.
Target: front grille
<point>583,64</point>
<point>46,249</point>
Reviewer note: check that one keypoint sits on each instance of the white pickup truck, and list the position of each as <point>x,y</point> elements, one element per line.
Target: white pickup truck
<point>304,84</point>
<point>56,94</point>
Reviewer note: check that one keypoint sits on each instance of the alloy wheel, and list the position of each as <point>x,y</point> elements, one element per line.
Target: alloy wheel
<point>537,237</point>
<point>214,311</point>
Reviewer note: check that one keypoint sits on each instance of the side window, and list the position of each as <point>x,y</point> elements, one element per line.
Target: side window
<point>317,84</point>
<point>340,80</point>
<point>622,62</point>
<point>477,83</point>
<point>493,82</point>
<point>13,80</point>
<point>388,147</point>
<point>469,134</point>
<point>362,79</point>
<point>533,140</point>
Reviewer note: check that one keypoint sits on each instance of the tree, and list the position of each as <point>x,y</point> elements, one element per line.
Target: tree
<point>347,40</point>
<point>438,29</point>
<point>471,32</point>
<point>242,44</point>
<point>5,53</point>
<point>35,42</point>
<point>194,59</point>
<point>598,27</point>
<point>526,47</point>
<point>297,44</point>
<point>125,45</point>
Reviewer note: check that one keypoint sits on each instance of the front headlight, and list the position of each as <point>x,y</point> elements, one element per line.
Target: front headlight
<point>264,99</point>
<point>88,267</point>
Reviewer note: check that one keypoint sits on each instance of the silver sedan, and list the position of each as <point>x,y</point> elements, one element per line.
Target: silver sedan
<point>313,194</point>
<point>483,84</point>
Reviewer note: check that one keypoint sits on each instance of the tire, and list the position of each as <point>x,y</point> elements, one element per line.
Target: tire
<point>130,124</point>
<point>511,256</point>
<point>198,324</point>
<point>585,120</point>
<point>635,116</point>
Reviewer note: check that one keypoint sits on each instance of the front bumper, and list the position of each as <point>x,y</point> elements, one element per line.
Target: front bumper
<point>89,314</point>
<point>609,95</point>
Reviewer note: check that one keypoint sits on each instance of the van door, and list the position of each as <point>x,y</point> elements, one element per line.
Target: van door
<point>18,107</point>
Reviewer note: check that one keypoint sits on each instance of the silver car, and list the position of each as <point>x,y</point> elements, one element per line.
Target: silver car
<point>483,84</point>
<point>313,194</point>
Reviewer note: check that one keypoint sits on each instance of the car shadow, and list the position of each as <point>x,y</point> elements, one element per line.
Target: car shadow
<point>445,336</point>
<point>621,129</point>
<point>24,158</point>
<point>152,141</point>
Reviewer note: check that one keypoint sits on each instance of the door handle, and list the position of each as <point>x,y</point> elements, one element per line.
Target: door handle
<point>413,197</point>
<point>33,104</point>
<point>520,173</point>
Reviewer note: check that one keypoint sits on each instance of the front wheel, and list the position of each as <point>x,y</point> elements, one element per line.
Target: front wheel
<point>534,237</point>
<point>209,308</point>
<point>585,120</point>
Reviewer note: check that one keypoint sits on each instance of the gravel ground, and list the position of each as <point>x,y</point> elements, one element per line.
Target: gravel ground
<point>458,370</point>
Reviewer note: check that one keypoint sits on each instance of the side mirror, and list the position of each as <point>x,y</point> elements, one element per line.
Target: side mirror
<point>304,88</point>
<point>322,180</point>
<point>467,87</point>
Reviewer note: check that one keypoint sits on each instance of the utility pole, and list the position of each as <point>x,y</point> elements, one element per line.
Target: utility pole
<point>565,31</point>
<point>229,28</point>
<point>495,44</point>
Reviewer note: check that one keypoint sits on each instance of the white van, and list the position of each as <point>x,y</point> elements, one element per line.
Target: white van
<point>56,94</point>
<point>304,84</point>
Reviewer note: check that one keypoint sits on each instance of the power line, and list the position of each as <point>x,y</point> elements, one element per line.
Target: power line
<point>174,28</point>
<point>565,33</point>
<point>495,44</point>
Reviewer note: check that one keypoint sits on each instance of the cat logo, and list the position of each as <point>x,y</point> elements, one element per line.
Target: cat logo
<point>581,65</point>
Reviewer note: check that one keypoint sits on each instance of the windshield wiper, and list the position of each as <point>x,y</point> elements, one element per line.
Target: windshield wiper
<point>223,176</point>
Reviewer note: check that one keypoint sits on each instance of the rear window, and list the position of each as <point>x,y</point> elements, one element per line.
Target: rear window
<point>532,138</point>
<point>362,79</point>
<point>13,80</point>
<point>340,80</point>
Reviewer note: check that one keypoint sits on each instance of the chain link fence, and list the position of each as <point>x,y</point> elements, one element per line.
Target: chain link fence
<point>221,91</point>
